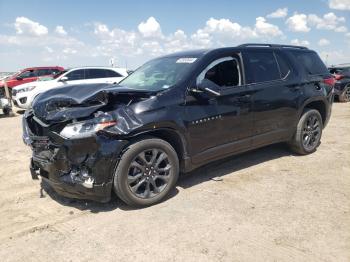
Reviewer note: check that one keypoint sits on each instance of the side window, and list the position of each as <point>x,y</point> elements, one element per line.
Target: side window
<point>95,73</point>
<point>55,71</point>
<point>283,66</point>
<point>44,72</point>
<point>111,73</point>
<point>76,75</point>
<point>261,66</point>
<point>27,74</point>
<point>311,62</point>
<point>224,72</point>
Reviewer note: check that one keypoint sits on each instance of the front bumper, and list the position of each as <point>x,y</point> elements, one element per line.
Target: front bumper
<point>21,100</point>
<point>75,168</point>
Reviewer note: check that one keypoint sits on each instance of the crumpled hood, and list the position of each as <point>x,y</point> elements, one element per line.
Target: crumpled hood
<point>77,101</point>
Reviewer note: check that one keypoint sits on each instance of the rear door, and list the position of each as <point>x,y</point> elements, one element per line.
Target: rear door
<point>275,94</point>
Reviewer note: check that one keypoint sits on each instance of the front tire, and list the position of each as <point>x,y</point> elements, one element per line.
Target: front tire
<point>308,134</point>
<point>146,173</point>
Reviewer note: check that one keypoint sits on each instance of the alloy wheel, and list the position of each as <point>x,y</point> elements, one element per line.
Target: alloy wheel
<point>149,173</point>
<point>311,132</point>
<point>347,93</point>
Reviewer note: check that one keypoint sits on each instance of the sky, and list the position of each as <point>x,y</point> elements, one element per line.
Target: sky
<point>92,33</point>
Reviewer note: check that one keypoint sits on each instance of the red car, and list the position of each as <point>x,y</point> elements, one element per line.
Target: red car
<point>31,74</point>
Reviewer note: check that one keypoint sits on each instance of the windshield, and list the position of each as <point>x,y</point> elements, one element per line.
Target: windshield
<point>159,74</point>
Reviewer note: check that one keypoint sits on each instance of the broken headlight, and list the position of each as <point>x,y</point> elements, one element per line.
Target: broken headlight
<point>89,127</point>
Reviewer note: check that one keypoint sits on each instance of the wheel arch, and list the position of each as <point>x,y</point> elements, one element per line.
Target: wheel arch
<point>173,137</point>
<point>318,105</point>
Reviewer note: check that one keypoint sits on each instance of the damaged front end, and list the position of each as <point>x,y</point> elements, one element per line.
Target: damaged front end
<point>77,138</point>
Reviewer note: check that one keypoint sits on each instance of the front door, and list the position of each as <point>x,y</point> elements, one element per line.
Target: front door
<point>219,125</point>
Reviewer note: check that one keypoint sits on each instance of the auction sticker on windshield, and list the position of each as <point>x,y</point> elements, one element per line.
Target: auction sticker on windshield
<point>186,60</point>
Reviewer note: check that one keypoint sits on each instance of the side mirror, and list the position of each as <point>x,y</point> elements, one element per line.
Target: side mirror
<point>63,79</point>
<point>209,87</point>
<point>19,78</point>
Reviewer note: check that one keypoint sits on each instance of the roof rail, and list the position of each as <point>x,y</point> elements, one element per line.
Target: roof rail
<point>272,45</point>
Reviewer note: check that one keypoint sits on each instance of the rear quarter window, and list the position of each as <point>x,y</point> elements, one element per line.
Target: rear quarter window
<point>310,62</point>
<point>110,73</point>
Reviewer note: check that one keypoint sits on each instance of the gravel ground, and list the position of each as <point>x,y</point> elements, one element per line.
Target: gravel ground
<point>265,205</point>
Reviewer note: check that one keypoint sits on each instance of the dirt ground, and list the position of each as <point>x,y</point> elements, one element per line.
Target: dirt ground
<point>266,205</point>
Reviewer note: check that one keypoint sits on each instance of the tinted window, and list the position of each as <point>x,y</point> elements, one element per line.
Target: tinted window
<point>283,65</point>
<point>55,71</point>
<point>311,62</point>
<point>76,75</point>
<point>111,73</point>
<point>44,72</point>
<point>223,72</point>
<point>261,66</point>
<point>95,73</point>
<point>28,73</point>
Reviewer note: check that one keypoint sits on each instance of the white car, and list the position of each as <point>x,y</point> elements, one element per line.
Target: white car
<point>23,95</point>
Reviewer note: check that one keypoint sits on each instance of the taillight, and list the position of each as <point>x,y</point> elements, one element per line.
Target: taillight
<point>329,81</point>
<point>338,77</point>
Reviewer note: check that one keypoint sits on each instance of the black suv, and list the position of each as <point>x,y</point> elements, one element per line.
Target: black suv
<point>342,84</point>
<point>174,114</point>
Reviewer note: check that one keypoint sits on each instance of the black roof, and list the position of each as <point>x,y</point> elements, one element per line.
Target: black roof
<point>201,52</point>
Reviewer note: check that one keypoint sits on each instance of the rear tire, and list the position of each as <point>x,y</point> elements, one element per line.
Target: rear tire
<point>146,173</point>
<point>345,96</point>
<point>308,134</point>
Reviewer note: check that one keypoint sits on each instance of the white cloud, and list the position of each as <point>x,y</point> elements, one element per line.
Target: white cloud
<point>69,50</point>
<point>262,28</point>
<point>339,4</point>
<point>298,23</point>
<point>221,32</point>
<point>328,22</point>
<point>25,26</point>
<point>279,13</point>
<point>48,49</point>
<point>323,42</point>
<point>300,42</point>
<point>304,23</point>
<point>102,30</point>
<point>341,29</point>
<point>150,28</point>
<point>60,30</point>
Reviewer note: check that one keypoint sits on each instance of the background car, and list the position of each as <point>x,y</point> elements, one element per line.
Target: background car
<point>23,95</point>
<point>30,74</point>
<point>342,85</point>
